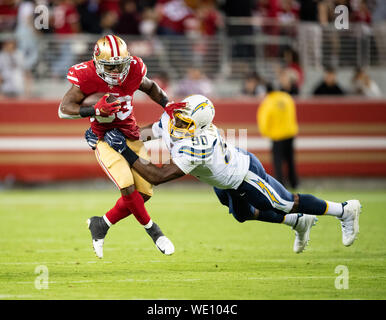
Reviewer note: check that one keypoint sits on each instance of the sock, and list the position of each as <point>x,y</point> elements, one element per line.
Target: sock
<point>335,209</point>
<point>290,219</point>
<point>149,224</point>
<point>308,204</point>
<point>118,212</point>
<point>135,204</point>
<point>270,216</point>
<point>109,224</point>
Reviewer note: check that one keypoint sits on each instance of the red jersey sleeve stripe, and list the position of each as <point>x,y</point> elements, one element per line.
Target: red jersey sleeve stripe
<point>72,78</point>
<point>144,70</point>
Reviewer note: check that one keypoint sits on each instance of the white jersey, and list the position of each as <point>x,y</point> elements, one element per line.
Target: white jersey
<point>205,156</point>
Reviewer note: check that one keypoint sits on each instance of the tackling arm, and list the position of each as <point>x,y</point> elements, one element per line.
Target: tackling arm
<point>155,175</point>
<point>146,133</point>
<point>154,91</point>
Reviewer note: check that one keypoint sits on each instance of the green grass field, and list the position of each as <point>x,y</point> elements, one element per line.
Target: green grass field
<point>216,257</point>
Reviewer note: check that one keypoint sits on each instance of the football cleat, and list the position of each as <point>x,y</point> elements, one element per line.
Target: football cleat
<point>165,245</point>
<point>302,231</point>
<point>350,221</point>
<point>98,228</point>
<point>160,240</point>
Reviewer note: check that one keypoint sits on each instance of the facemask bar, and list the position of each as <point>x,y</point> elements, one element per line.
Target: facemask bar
<point>181,133</point>
<point>112,77</point>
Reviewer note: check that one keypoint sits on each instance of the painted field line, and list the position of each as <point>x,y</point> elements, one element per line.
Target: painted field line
<point>336,260</point>
<point>51,263</point>
<point>311,277</point>
<point>12,296</point>
<point>110,281</point>
<point>281,278</point>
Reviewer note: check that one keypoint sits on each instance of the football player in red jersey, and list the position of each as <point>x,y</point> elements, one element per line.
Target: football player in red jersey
<point>113,70</point>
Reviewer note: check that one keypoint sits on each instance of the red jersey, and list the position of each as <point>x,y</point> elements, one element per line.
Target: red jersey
<point>84,76</point>
<point>176,16</point>
<point>65,15</point>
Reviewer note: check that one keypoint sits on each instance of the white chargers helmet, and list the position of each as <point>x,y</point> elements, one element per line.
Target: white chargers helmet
<point>198,114</point>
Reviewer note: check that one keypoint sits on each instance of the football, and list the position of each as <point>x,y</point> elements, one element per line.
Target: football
<point>94,98</point>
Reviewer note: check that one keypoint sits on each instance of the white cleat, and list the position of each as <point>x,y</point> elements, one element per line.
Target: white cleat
<point>302,232</point>
<point>350,221</point>
<point>98,247</point>
<point>165,245</point>
<point>160,240</point>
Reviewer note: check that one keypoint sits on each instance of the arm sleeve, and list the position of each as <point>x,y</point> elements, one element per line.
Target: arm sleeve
<point>79,75</point>
<point>143,67</point>
<point>140,71</point>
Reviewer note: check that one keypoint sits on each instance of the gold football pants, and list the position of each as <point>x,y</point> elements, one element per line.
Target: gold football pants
<point>117,168</point>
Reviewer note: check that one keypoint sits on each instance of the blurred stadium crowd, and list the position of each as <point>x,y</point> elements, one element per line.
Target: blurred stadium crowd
<point>257,43</point>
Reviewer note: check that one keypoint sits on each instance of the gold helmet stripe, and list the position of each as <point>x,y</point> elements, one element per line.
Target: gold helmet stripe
<point>114,46</point>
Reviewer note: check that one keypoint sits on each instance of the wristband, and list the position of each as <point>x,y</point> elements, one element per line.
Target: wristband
<point>164,101</point>
<point>130,156</point>
<point>87,111</point>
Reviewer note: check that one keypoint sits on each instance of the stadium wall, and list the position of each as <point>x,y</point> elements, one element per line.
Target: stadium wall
<point>338,137</point>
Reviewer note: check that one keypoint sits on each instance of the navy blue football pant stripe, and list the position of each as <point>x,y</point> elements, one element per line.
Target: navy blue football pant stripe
<point>253,195</point>
<point>243,201</point>
<point>308,204</point>
<point>243,207</point>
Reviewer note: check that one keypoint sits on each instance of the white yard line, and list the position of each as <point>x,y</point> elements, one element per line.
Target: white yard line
<point>280,278</point>
<point>51,263</point>
<point>12,296</point>
<point>335,260</point>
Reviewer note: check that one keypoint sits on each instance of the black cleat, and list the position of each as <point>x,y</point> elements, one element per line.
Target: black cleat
<point>98,228</point>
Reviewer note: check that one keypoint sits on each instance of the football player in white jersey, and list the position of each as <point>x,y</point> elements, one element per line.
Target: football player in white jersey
<point>238,177</point>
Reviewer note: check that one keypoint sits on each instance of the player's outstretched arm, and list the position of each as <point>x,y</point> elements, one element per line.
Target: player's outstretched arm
<point>154,91</point>
<point>146,133</point>
<point>155,175</point>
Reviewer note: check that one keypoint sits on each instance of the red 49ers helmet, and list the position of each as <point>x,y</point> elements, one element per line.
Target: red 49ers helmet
<point>112,59</point>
